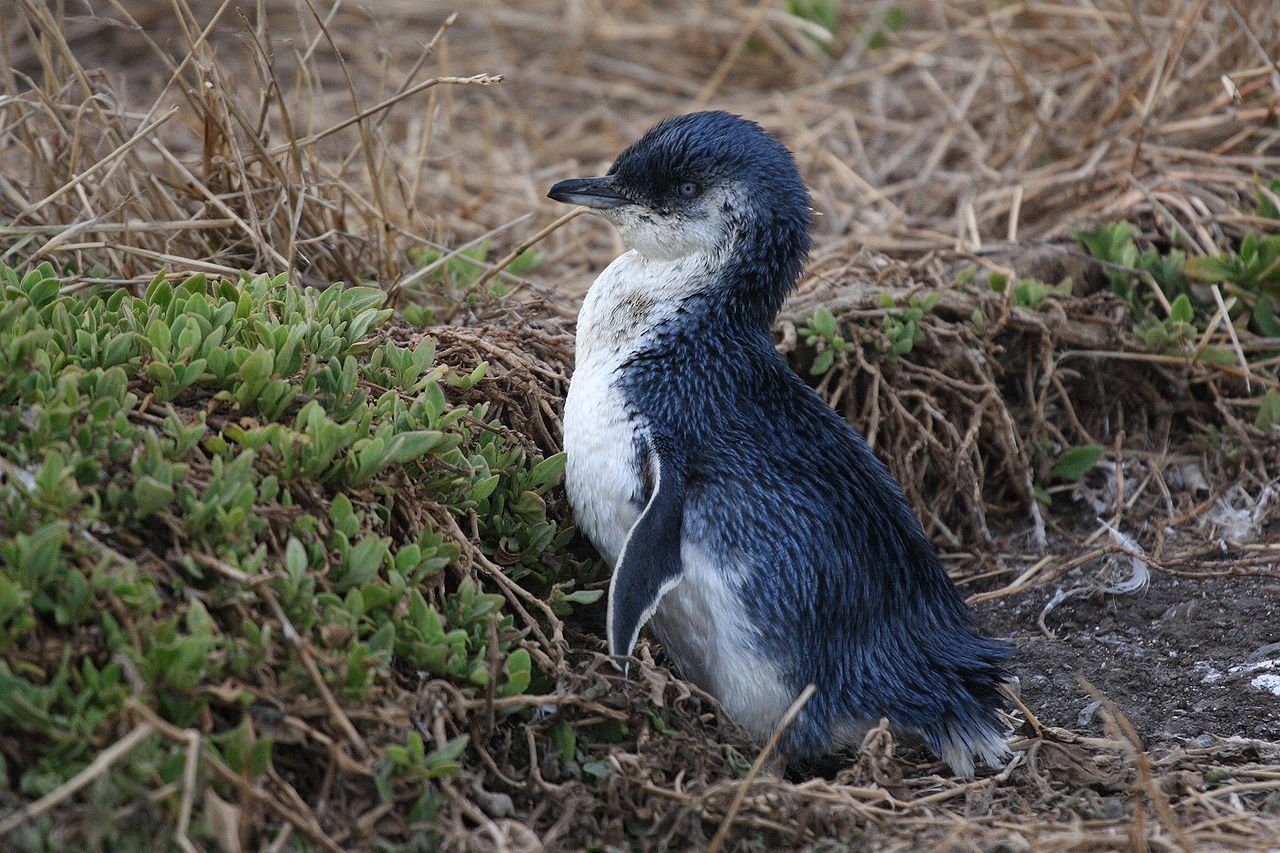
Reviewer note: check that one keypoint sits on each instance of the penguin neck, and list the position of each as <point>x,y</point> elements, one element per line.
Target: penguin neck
<point>739,300</point>
<point>708,303</point>
<point>753,275</point>
<point>634,299</point>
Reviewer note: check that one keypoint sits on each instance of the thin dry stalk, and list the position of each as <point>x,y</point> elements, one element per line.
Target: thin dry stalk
<point>100,765</point>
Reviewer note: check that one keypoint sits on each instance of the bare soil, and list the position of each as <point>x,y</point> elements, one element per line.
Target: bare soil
<point>1178,659</point>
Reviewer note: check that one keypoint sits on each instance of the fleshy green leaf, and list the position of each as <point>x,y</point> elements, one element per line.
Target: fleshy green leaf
<point>1181,311</point>
<point>823,322</point>
<point>1076,462</point>
<point>548,471</point>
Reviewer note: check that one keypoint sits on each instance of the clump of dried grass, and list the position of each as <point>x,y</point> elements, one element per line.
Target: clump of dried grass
<point>970,125</point>
<point>974,417</point>
<point>965,128</point>
<point>227,164</point>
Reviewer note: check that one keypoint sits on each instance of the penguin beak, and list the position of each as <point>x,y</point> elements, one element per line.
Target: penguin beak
<point>595,193</point>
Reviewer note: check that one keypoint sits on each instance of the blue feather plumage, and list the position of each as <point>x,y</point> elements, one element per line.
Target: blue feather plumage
<point>836,582</point>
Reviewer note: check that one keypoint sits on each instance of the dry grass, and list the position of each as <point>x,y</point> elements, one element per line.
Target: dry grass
<point>969,127</point>
<point>333,139</point>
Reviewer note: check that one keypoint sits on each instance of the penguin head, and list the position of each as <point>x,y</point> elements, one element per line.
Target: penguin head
<point>708,183</point>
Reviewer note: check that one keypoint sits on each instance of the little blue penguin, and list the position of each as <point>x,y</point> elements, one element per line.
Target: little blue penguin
<point>745,520</point>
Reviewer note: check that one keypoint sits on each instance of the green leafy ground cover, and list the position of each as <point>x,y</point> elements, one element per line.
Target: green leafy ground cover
<point>283,561</point>
<point>230,496</point>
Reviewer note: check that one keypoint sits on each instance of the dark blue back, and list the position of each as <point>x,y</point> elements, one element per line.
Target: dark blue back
<point>845,589</point>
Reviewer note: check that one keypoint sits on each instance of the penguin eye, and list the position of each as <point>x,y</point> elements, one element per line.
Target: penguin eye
<point>688,189</point>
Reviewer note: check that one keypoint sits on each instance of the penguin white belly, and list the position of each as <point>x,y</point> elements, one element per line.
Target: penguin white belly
<point>604,485</point>
<point>700,621</point>
<point>702,626</point>
<point>600,474</point>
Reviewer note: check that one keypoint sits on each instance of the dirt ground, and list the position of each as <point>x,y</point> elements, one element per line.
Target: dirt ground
<point>1180,659</point>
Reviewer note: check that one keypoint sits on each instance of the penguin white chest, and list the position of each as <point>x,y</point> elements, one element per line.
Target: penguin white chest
<point>604,483</point>
<point>626,303</point>
<point>600,474</point>
<point>700,621</point>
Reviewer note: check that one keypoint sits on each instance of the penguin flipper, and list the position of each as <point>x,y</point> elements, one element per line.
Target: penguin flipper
<point>649,566</point>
